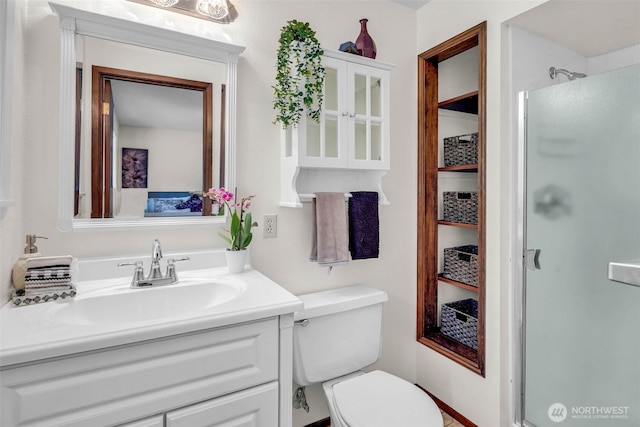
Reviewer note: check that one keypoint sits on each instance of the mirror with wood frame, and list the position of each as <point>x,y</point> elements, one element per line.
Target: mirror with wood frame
<point>151,145</point>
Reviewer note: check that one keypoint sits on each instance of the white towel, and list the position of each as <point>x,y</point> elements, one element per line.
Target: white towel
<point>48,261</point>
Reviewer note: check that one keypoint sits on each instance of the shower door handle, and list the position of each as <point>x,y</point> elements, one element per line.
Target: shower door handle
<point>531,260</point>
<point>625,273</point>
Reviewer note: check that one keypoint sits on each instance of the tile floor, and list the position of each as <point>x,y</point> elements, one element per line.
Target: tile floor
<point>448,421</point>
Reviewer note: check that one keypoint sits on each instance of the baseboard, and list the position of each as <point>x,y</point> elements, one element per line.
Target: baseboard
<point>449,410</point>
<point>321,423</point>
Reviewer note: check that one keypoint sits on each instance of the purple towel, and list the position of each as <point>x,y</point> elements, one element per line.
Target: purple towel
<point>364,227</point>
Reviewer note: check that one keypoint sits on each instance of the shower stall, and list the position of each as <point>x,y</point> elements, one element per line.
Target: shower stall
<point>580,227</point>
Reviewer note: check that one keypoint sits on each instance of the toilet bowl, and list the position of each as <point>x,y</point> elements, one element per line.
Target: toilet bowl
<point>337,334</point>
<point>379,399</point>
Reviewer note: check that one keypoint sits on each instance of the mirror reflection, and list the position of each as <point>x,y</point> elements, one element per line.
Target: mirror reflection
<point>151,139</point>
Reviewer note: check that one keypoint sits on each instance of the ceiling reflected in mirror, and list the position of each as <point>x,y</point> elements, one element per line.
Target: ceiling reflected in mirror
<point>220,11</point>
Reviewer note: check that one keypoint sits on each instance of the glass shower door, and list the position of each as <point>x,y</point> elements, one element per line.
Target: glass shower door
<point>581,329</point>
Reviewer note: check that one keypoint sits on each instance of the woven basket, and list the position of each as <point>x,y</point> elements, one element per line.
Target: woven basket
<point>460,207</point>
<point>459,320</point>
<point>461,150</point>
<point>461,264</point>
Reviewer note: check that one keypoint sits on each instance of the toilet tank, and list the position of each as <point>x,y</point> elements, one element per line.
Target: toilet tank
<point>342,334</point>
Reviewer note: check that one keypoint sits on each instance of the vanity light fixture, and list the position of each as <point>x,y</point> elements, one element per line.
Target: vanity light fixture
<point>216,9</point>
<point>220,11</point>
<point>165,3</point>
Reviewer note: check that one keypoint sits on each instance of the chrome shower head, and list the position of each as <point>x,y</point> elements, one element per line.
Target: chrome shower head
<point>571,75</point>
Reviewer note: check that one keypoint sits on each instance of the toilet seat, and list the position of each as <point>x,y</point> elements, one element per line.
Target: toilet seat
<point>379,399</point>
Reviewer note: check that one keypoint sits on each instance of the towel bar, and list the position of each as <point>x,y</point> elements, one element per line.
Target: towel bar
<point>305,198</point>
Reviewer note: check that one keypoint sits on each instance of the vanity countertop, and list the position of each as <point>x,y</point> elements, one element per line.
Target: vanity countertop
<point>37,332</point>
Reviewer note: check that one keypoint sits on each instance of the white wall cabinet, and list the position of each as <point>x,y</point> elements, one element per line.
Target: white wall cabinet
<point>349,149</point>
<point>225,376</point>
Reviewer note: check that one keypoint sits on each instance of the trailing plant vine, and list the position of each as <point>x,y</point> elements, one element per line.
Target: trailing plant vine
<point>300,75</point>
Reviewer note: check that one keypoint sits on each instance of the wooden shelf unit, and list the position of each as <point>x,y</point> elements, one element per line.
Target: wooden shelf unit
<point>429,170</point>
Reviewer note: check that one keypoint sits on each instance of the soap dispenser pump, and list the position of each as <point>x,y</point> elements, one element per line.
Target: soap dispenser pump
<point>31,247</point>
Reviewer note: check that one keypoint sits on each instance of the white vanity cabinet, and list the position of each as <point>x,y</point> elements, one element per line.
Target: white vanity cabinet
<point>225,375</point>
<point>257,406</point>
<point>349,149</point>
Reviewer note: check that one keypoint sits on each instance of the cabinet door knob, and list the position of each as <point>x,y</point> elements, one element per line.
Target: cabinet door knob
<point>352,115</point>
<point>345,114</point>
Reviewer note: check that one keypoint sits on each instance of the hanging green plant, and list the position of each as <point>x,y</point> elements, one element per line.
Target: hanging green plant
<point>300,75</point>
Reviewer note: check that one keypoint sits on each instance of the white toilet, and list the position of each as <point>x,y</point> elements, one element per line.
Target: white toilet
<point>336,335</point>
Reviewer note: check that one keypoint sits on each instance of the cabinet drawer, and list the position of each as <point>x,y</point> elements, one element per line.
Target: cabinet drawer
<point>257,406</point>
<point>131,382</point>
<point>157,421</point>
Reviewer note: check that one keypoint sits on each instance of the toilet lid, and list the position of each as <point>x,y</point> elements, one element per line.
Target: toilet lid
<point>379,399</point>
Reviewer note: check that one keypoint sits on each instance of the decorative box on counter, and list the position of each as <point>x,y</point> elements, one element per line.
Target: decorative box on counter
<point>459,320</point>
<point>461,150</point>
<point>20,298</point>
<point>461,264</point>
<point>460,207</point>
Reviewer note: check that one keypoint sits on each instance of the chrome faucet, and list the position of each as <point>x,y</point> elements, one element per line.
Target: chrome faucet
<point>155,276</point>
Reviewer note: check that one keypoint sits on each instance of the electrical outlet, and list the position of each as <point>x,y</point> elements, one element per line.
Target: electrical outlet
<point>270,229</point>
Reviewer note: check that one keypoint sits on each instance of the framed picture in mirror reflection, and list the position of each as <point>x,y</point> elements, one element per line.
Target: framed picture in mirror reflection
<point>135,162</point>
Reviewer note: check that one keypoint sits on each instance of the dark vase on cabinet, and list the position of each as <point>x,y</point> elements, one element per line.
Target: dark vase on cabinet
<point>365,44</point>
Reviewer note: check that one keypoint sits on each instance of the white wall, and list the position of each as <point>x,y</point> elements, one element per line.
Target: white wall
<point>11,226</point>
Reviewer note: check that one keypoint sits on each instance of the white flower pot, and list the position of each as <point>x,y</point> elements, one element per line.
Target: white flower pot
<point>236,260</point>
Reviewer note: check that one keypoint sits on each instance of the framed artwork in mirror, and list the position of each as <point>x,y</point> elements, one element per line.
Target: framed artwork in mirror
<point>135,163</point>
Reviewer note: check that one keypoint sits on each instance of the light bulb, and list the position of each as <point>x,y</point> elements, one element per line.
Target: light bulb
<point>165,3</point>
<point>216,9</point>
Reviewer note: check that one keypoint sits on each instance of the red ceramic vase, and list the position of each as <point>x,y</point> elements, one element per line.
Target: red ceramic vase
<point>365,44</point>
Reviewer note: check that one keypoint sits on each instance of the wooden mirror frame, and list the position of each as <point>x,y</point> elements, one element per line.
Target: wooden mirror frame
<point>100,163</point>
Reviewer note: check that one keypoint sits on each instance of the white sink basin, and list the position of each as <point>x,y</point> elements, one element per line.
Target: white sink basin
<point>120,304</point>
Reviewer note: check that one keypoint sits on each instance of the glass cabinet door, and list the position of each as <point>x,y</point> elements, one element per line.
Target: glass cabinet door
<point>368,106</point>
<point>325,141</point>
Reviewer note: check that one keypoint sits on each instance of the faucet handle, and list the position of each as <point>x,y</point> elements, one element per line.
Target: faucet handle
<point>137,264</point>
<point>171,268</point>
<point>138,272</point>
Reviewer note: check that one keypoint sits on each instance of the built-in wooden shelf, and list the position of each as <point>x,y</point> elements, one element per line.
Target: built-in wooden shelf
<point>430,173</point>
<point>467,103</point>
<point>458,284</point>
<point>462,168</point>
<point>458,224</point>
<point>451,348</point>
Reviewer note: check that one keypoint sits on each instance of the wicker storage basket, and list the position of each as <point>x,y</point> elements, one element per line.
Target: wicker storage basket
<point>461,264</point>
<point>459,320</point>
<point>461,150</point>
<point>460,207</point>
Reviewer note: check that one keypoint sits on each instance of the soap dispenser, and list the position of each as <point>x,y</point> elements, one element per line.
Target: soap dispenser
<point>19,270</point>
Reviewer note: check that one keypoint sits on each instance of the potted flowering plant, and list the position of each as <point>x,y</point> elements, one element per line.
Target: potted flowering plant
<point>238,235</point>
